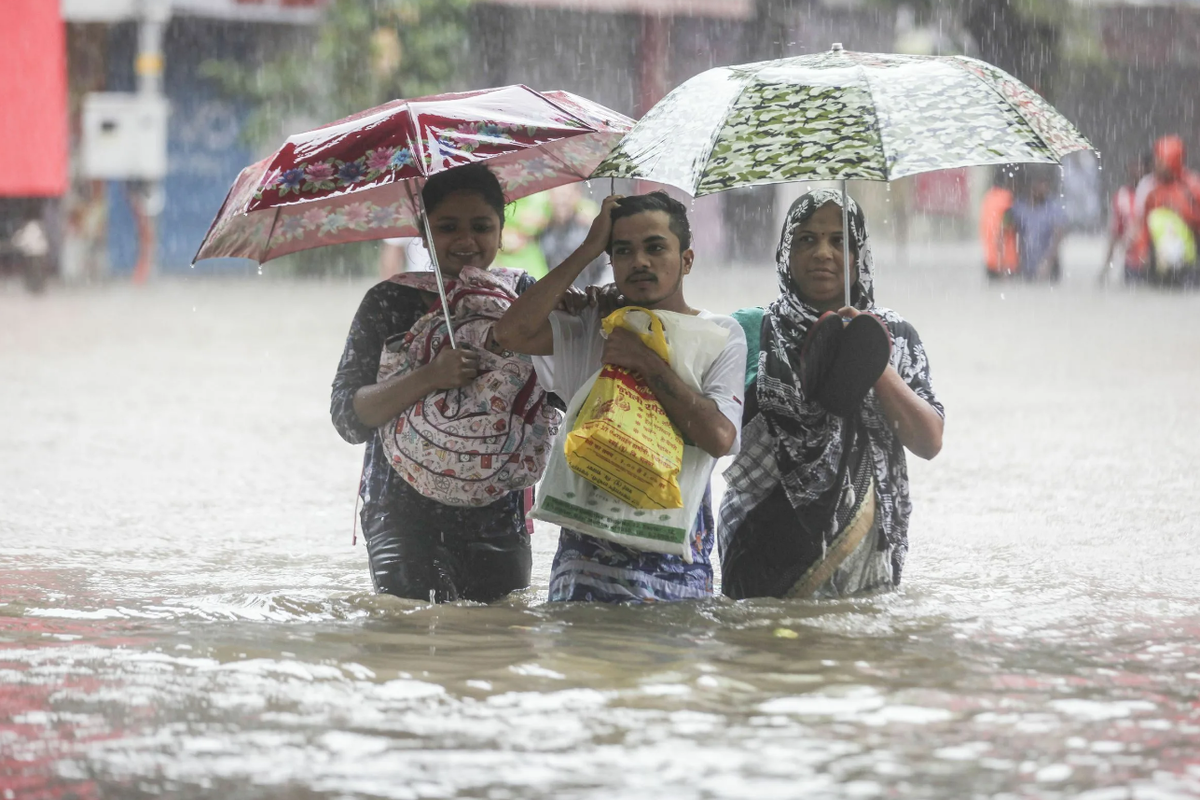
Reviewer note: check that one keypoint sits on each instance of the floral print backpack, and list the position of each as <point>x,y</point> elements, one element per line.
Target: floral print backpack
<point>468,446</point>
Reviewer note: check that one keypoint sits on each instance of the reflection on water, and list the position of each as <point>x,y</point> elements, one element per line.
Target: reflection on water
<point>915,696</point>
<point>181,613</point>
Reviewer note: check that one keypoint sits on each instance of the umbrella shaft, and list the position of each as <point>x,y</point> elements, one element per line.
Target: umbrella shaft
<point>846,240</point>
<point>437,270</point>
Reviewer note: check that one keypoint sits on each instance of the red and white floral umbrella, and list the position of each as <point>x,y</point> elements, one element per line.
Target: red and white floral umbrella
<point>360,178</point>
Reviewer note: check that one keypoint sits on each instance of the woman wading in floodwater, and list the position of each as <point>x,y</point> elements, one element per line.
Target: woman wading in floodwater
<point>419,547</point>
<point>817,504</point>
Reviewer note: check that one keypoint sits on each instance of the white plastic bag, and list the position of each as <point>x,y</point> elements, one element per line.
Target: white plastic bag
<point>567,499</point>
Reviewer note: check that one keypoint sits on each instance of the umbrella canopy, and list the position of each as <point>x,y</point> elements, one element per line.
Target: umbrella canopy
<point>839,115</point>
<point>360,178</point>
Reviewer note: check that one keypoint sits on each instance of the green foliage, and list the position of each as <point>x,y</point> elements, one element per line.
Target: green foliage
<point>362,53</point>
<point>378,51</point>
<point>365,52</point>
<point>1035,40</point>
<point>1072,19</point>
<point>1043,10</point>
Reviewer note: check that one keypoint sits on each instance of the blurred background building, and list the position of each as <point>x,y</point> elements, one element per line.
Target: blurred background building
<point>238,75</point>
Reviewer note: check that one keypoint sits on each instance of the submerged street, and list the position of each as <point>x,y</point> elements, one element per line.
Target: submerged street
<point>182,612</point>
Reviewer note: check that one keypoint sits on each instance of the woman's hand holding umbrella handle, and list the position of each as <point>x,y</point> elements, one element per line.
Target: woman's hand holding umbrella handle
<point>915,422</point>
<point>377,403</point>
<point>850,312</point>
<point>453,369</point>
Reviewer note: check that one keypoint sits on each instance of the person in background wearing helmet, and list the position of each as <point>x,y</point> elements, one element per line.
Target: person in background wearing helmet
<point>1123,223</point>
<point>1168,205</point>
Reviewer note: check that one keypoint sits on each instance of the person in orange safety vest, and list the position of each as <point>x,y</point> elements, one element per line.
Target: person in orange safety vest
<point>999,239</point>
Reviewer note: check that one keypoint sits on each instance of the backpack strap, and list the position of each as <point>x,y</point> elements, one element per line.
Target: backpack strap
<point>751,320</point>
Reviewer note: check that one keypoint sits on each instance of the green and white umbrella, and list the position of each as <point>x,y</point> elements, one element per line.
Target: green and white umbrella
<point>840,116</point>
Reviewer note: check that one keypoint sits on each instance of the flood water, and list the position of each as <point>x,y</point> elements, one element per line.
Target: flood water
<point>182,613</point>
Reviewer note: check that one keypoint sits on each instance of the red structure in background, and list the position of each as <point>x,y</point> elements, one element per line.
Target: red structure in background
<point>285,3</point>
<point>943,192</point>
<point>33,99</point>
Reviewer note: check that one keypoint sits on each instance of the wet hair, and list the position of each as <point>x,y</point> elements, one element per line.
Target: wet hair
<point>656,201</point>
<point>470,178</point>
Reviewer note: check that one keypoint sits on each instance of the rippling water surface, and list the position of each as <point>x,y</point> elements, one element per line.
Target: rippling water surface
<point>182,613</point>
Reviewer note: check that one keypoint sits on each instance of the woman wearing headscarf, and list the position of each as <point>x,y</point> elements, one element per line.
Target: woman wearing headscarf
<point>817,503</point>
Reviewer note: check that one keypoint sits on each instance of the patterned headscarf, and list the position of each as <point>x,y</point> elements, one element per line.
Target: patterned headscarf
<point>809,443</point>
<point>792,440</point>
<point>789,307</point>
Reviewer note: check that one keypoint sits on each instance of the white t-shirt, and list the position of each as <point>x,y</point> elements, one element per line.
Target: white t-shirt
<point>579,345</point>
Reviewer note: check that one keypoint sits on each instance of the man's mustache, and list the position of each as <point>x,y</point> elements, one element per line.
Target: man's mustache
<point>642,274</point>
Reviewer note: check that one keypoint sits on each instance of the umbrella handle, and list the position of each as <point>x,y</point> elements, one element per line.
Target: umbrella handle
<point>437,270</point>
<point>845,236</point>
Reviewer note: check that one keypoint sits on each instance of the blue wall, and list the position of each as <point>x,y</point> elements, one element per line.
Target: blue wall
<point>204,148</point>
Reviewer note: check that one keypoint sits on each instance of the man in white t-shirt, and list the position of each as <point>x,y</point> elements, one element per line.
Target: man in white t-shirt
<point>649,242</point>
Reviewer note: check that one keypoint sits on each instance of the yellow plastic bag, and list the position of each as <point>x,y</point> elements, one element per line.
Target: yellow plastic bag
<point>567,499</point>
<point>623,441</point>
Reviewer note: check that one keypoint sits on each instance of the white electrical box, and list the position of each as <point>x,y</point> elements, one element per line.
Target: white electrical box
<point>124,137</point>
<point>99,10</point>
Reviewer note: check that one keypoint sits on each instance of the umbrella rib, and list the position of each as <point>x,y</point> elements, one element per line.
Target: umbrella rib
<point>213,225</point>
<point>577,118</point>
<point>875,114</point>
<point>270,234</point>
<point>566,111</point>
<point>959,61</point>
<point>568,168</point>
<point>723,119</point>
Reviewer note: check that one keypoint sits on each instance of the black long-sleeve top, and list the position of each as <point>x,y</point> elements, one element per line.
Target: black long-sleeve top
<point>387,309</point>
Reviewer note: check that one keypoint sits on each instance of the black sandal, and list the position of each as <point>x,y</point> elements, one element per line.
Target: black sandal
<point>862,355</point>
<point>819,351</point>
